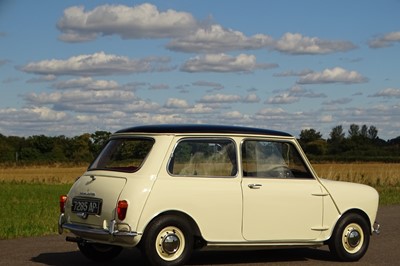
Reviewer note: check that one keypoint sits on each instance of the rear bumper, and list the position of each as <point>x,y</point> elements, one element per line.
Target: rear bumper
<point>110,235</point>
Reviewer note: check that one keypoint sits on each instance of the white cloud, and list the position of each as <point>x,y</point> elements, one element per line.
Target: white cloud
<point>86,83</point>
<point>46,114</point>
<point>214,85</point>
<point>293,95</point>
<point>388,92</point>
<point>326,119</point>
<point>271,112</point>
<point>251,98</point>
<point>297,44</point>
<point>216,39</point>
<point>97,64</point>
<point>45,78</point>
<point>199,109</point>
<point>36,119</point>
<point>176,103</point>
<point>220,98</point>
<point>294,73</point>
<point>72,98</point>
<point>224,63</point>
<point>233,115</point>
<point>338,101</point>
<point>141,106</point>
<point>284,98</point>
<point>333,75</point>
<point>137,22</point>
<point>386,40</point>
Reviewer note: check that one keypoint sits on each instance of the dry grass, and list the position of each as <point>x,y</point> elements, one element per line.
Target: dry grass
<point>42,174</point>
<point>374,174</point>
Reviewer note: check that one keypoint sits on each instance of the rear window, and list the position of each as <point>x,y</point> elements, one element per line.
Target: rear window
<point>123,154</point>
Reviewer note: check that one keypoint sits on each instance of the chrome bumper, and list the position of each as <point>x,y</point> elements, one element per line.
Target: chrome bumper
<point>109,235</point>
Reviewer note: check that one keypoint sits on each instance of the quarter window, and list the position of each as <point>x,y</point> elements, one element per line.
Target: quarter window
<point>272,159</point>
<point>204,157</point>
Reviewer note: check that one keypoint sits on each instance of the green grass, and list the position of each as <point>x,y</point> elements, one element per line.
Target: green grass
<point>32,208</point>
<point>29,209</point>
<point>388,195</point>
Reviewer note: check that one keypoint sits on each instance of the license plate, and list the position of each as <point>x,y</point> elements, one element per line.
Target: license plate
<point>87,205</point>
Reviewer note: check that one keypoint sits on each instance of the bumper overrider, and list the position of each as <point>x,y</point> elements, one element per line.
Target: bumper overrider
<point>376,228</point>
<point>109,235</point>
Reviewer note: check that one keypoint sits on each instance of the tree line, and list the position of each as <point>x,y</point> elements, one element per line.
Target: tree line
<point>361,143</point>
<point>41,149</point>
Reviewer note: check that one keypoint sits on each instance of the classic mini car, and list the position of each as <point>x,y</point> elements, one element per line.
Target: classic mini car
<point>170,189</point>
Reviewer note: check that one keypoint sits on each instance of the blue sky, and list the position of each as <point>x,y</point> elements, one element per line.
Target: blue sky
<point>70,67</point>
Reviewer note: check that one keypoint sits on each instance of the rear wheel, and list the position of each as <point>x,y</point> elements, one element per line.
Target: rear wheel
<point>350,239</point>
<point>168,241</point>
<point>99,252</point>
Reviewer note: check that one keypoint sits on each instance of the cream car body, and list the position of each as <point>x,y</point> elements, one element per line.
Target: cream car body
<point>238,208</point>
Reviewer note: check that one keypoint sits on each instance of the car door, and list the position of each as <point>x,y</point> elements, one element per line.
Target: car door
<point>282,201</point>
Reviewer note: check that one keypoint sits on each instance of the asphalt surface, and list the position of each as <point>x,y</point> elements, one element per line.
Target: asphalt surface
<point>54,250</point>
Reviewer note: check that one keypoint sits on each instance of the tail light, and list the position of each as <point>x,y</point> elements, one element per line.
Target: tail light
<point>63,200</point>
<point>122,207</point>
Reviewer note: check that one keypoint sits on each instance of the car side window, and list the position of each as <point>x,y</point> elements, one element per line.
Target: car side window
<point>204,157</point>
<point>272,159</point>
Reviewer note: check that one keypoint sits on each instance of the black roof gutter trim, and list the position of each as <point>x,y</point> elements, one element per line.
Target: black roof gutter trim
<point>201,128</point>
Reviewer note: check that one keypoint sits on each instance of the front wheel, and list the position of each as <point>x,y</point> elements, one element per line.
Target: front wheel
<point>168,241</point>
<point>99,252</point>
<point>350,239</point>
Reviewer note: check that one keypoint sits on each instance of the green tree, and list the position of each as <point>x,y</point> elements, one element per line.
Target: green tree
<point>80,149</point>
<point>308,135</point>
<point>337,140</point>
<point>364,131</point>
<point>7,152</point>
<point>99,139</point>
<point>337,135</point>
<point>354,131</point>
<point>372,133</point>
<point>316,147</point>
<point>312,142</point>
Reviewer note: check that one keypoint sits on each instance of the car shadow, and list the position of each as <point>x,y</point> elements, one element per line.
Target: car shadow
<point>260,256</point>
<point>134,257</point>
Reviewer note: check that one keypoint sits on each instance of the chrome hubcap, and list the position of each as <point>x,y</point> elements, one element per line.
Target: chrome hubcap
<point>170,243</point>
<point>353,238</point>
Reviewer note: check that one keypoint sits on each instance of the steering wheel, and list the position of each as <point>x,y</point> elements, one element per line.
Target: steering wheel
<point>281,171</point>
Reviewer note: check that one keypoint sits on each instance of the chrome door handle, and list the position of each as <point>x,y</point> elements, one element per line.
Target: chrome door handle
<point>254,186</point>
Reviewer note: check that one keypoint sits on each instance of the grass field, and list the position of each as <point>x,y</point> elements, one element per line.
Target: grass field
<point>29,209</point>
<point>29,196</point>
<point>42,174</point>
<point>385,178</point>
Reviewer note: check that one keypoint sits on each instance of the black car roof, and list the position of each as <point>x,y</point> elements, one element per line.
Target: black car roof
<point>202,128</point>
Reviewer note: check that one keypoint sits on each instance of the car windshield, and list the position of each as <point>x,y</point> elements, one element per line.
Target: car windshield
<point>123,154</point>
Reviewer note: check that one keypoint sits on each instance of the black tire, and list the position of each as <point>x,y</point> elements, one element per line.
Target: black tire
<point>350,238</point>
<point>99,252</point>
<point>168,241</point>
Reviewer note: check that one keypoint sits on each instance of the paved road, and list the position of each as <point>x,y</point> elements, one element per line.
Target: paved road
<point>54,250</point>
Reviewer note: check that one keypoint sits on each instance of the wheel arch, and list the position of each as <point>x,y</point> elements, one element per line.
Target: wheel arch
<point>362,214</point>
<point>347,212</point>
<point>193,225</point>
